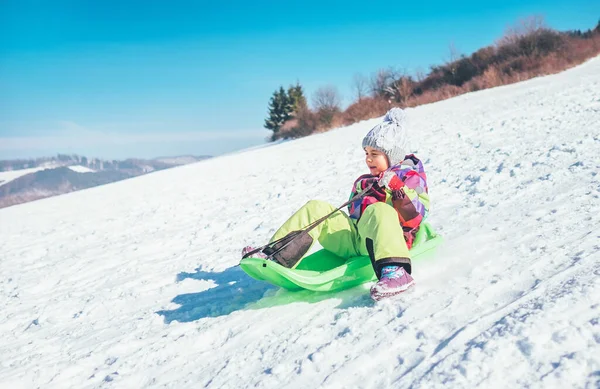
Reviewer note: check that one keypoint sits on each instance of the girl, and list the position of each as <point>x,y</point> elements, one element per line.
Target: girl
<point>383,222</point>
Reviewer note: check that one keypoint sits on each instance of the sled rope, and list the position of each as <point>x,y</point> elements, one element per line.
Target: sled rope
<point>286,240</point>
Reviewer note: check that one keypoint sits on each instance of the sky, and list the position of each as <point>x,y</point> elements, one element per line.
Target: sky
<point>116,79</point>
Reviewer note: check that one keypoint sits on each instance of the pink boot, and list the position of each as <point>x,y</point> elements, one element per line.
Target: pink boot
<point>259,254</point>
<point>394,280</point>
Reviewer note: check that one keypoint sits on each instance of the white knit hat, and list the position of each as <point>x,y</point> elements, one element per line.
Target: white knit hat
<point>390,136</point>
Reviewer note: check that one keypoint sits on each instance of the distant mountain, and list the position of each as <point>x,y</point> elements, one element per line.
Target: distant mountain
<point>22,181</point>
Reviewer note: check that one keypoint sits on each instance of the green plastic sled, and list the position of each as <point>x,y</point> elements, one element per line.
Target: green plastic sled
<point>323,271</point>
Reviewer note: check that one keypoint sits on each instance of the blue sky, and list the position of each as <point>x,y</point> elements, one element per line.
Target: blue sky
<point>118,79</point>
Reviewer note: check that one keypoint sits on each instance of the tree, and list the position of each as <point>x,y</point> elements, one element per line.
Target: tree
<point>454,56</point>
<point>279,111</point>
<point>326,98</point>
<point>524,27</point>
<point>360,86</point>
<point>326,101</point>
<point>284,106</point>
<point>380,81</point>
<point>401,89</point>
<point>296,99</point>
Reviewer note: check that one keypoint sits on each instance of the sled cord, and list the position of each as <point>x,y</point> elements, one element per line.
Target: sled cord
<point>286,240</point>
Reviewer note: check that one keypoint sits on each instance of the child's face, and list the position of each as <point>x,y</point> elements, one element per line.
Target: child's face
<point>376,161</point>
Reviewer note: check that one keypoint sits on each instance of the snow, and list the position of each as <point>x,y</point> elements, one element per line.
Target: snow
<point>81,169</point>
<point>10,175</point>
<point>180,160</point>
<point>135,284</point>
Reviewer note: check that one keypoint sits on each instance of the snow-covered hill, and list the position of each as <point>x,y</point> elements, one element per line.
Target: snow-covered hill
<point>10,175</point>
<point>135,284</point>
<point>60,175</point>
<point>81,169</point>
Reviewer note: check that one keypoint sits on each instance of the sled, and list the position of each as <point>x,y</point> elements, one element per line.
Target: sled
<point>324,271</point>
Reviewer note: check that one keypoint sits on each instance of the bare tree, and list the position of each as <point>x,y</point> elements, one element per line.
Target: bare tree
<point>531,24</point>
<point>401,88</point>
<point>454,53</point>
<point>380,81</point>
<point>360,86</point>
<point>523,27</point>
<point>454,56</point>
<point>420,74</point>
<point>406,87</point>
<point>326,98</point>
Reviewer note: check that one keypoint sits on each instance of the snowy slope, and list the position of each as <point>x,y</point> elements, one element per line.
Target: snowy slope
<point>81,169</point>
<point>135,284</point>
<point>7,176</point>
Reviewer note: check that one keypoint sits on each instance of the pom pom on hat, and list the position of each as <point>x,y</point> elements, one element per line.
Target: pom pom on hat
<point>390,136</point>
<point>395,115</point>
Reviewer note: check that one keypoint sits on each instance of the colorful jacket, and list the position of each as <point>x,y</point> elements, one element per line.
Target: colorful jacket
<point>407,192</point>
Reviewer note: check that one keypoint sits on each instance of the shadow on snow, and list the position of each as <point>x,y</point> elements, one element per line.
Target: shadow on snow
<point>235,290</point>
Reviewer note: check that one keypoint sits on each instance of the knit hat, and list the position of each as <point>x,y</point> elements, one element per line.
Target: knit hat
<point>390,136</point>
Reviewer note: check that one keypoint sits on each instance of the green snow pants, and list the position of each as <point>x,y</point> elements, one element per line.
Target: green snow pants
<point>377,234</point>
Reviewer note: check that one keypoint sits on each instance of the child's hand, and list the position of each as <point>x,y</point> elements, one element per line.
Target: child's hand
<point>365,183</point>
<point>389,180</point>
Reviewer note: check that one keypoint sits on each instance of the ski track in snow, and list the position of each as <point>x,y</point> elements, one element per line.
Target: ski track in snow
<point>135,284</point>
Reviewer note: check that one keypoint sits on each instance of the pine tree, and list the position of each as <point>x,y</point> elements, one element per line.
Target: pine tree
<point>283,106</point>
<point>279,110</point>
<point>296,98</point>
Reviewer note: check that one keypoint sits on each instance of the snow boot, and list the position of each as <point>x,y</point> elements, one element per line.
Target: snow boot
<point>394,280</point>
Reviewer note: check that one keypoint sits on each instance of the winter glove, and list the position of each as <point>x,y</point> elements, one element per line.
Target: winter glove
<point>390,180</point>
<point>365,183</point>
